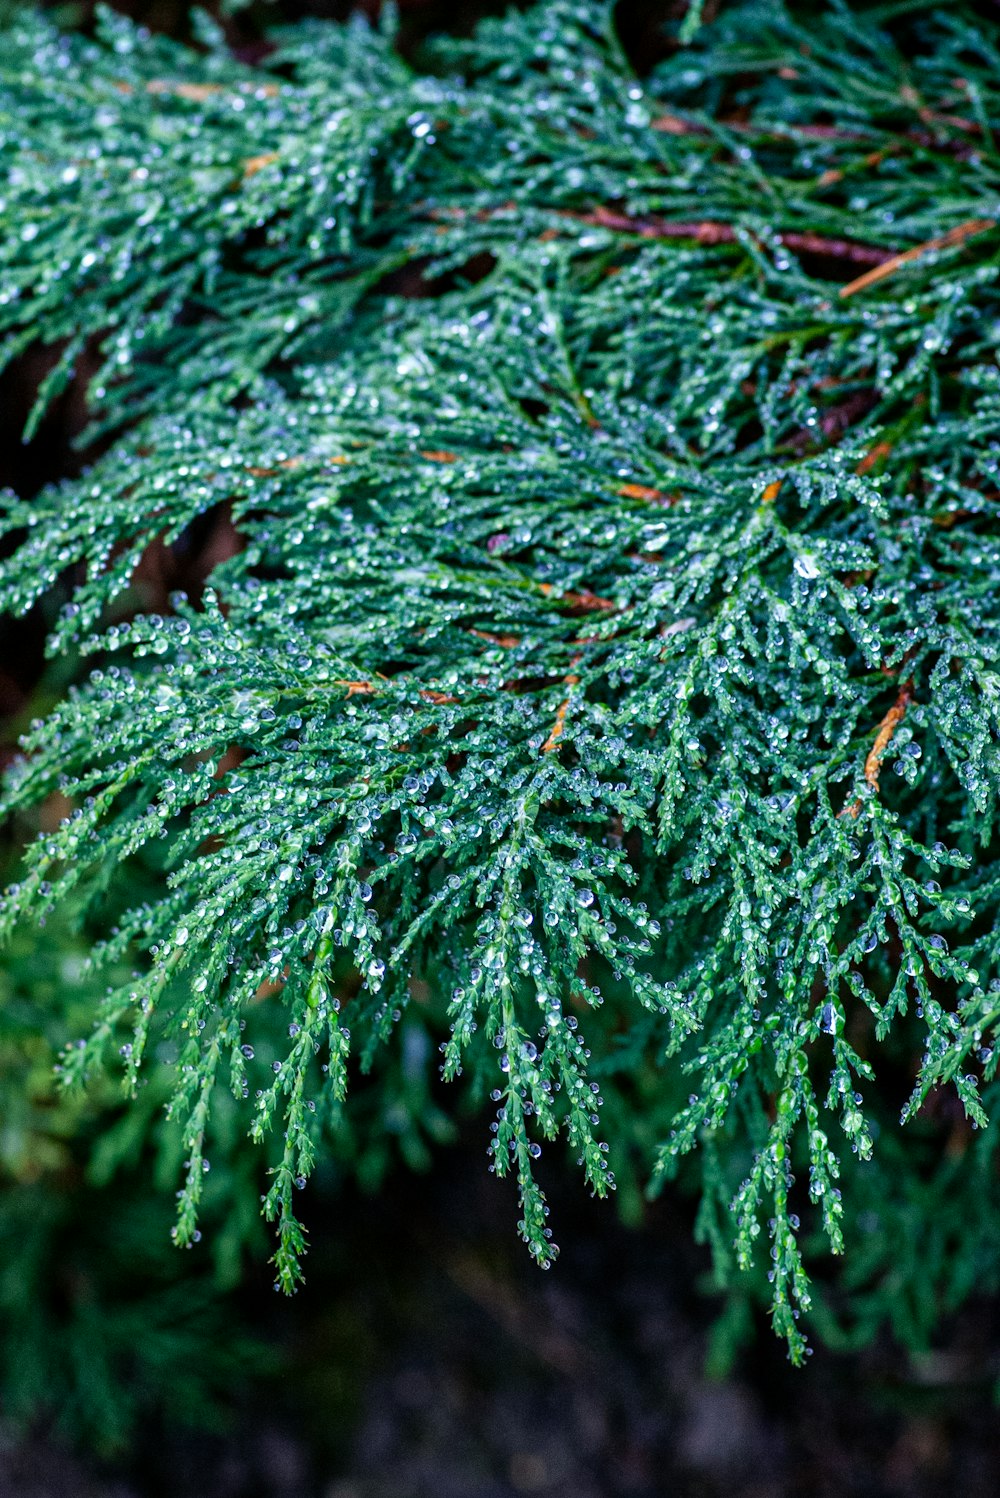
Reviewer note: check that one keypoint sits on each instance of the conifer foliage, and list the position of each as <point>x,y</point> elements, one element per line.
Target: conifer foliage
<point>604,685</point>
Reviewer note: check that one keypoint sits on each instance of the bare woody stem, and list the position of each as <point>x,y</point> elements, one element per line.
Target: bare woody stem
<point>710,232</point>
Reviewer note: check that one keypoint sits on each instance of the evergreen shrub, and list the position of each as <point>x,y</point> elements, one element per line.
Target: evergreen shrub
<point>597,700</point>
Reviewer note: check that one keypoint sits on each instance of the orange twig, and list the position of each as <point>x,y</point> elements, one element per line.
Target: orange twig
<point>956,121</point>
<point>672,124</point>
<point>874,456</point>
<point>506,642</point>
<point>258,163</point>
<point>645,492</point>
<point>368,689</point>
<point>270,473</point>
<point>837,174</point>
<point>883,738</point>
<point>560,722</point>
<point>197,93</point>
<point>886,729</point>
<point>958,235</point>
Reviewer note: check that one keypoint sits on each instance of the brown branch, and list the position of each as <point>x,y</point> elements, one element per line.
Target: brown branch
<point>506,642</point>
<point>881,262</point>
<point>705,232</point>
<point>709,232</point>
<point>290,463</point>
<point>954,121</point>
<point>673,124</point>
<point>582,603</point>
<point>197,93</point>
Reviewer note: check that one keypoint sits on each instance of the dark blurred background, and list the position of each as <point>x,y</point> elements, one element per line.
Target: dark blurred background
<point>426,1357</point>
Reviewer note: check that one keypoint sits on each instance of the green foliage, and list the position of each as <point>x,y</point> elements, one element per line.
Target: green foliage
<point>605,685</point>
<point>99,1331</point>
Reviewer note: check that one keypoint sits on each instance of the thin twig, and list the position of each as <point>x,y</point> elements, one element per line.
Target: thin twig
<point>559,725</point>
<point>874,456</point>
<point>883,738</point>
<point>958,235</point>
<point>886,729</point>
<point>710,232</point>
<point>196,93</point>
<point>369,688</point>
<point>705,232</point>
<point>647,493</point>
<point>255,164</point>
<point>584,602</point>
